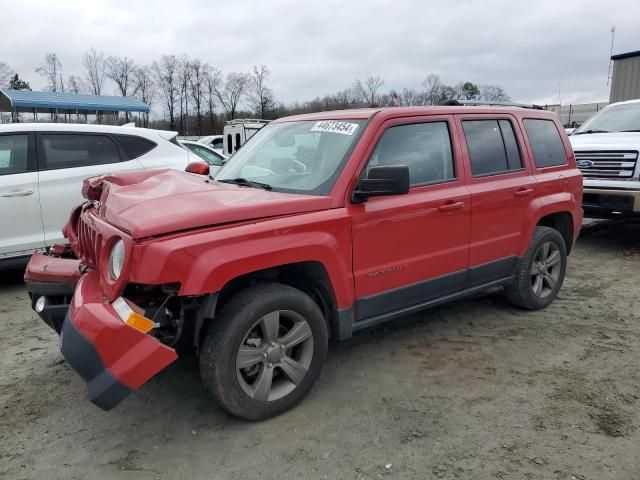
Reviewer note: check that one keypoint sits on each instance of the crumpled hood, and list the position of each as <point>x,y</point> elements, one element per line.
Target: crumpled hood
<point>148,203</point>
<point>606,141</point>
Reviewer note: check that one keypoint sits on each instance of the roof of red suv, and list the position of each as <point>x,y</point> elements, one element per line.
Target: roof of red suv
<point>367,113</point>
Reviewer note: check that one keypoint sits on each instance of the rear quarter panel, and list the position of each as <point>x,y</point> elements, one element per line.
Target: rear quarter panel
<point>559,187</point>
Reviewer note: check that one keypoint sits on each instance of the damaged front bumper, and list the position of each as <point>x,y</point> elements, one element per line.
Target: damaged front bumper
<point>113,358</point>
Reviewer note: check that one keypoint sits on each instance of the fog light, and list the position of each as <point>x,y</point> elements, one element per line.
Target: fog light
<point>41,302</point>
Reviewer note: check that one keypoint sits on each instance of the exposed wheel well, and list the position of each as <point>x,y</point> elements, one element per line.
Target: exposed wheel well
<point>311,277</point>
<point>563,222</point>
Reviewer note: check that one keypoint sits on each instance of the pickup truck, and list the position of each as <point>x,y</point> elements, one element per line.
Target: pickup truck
<point>320,226</point>
<point>606,148</point>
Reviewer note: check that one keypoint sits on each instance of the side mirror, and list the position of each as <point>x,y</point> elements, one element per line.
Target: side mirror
<point>383,180</point>
<point>199,168</point>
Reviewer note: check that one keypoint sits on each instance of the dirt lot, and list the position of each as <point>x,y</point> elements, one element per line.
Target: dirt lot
<point>474,390</point>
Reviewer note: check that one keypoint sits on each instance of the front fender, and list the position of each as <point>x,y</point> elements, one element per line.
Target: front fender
<point>204,261</point>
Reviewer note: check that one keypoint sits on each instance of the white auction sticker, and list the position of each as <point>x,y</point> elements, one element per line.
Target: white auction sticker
<point>331,126</point>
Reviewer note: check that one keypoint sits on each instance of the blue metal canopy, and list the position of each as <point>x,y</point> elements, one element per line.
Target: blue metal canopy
<point>28,101</point>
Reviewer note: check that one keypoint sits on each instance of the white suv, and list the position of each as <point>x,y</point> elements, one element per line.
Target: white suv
<point>606,148</point>
<point>42,167</point>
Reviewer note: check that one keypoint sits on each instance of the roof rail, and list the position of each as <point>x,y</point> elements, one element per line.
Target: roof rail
<point>495,104</point>
<point>246,120</point>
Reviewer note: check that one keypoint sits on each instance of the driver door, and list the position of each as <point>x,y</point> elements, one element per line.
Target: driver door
<point>411,249</point>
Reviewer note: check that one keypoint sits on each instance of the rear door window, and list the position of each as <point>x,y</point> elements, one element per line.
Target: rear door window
<point>13,154</point>
<point>77,150</point>
<point>547,146</point>
<point>492,146</point>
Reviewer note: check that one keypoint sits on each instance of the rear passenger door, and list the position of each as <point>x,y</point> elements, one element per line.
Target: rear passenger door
<point>64,161</point>
<point>502,189</point>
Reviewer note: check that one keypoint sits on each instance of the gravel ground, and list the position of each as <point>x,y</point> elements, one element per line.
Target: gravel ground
<point>472,390</point>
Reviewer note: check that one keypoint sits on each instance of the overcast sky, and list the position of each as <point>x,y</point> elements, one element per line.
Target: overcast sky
<point>317,47</point>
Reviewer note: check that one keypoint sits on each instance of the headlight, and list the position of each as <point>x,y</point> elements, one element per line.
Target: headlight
<point>116,259</point>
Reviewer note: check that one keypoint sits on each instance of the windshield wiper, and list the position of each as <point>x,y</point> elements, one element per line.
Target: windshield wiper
<point>630,130</point>
<point>246,183</point>
<point>593,130</point>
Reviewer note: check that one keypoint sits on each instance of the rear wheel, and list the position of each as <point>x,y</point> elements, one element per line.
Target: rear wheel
<point>541,271</point>
<point>265,351</point>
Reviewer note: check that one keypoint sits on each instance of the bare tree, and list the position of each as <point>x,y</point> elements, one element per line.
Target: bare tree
<point>212,78</point>
<point>51,70</point>
<point>144,88</point>
<point>492,93</point>
<point>411,97</point>
<point>261,96</point>
<point>95,67</point>
<point>369,89</point>
<point>184,73</point>
<point>434,90</point>
<point>197,88</point>
<point>231,91</point>
<point>5,74</point>
<point>121,70</point>
<point>166,75</point>
<point>73,84</point>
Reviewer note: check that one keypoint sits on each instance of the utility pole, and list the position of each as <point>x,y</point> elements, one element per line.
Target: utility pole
<point>613,36</point>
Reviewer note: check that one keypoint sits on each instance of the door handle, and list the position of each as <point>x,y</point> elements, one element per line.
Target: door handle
<point>523,192</point>
<point>18,193</point>
<point>450,206</point>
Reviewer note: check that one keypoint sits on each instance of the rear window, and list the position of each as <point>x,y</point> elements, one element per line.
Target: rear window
<point>135,147</point>
<point>492,146</point>
<point>547,146</point>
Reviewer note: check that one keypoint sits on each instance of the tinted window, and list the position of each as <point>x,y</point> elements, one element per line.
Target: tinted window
<point>13,154</point>
<point>492,146</point>
<point>229,144</point>
<point>68,151</point>
<point>547,146</point>
<point>424,147</point>
<point>510,145</point>
<point>135,147</point>
<point>238,142</point>
<point>217,143</point>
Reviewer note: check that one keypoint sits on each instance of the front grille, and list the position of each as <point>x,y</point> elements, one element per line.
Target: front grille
<point>88,243</point>
<point>618,165</point>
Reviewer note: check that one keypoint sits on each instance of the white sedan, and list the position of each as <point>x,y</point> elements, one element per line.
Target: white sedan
<point>42,167</point>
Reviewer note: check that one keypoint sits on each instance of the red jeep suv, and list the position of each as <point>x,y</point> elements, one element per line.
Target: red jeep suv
<point>320,226</point>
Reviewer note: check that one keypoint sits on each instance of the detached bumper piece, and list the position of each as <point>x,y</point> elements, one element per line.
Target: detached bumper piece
<point>104,390</point>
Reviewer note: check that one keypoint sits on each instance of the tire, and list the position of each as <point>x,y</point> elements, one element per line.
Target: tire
<point>239,379</point>
<point>539,275</point>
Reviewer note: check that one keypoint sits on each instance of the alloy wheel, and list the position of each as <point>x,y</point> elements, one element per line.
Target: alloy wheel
<point>545,269</point>
<point>275,355</point>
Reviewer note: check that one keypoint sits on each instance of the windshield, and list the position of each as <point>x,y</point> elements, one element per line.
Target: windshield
<point>616,118</point>
<point>297,157</point>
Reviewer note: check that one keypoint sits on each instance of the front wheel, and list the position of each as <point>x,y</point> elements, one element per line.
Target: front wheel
<point>264,352</point>
<point>541,271</point>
